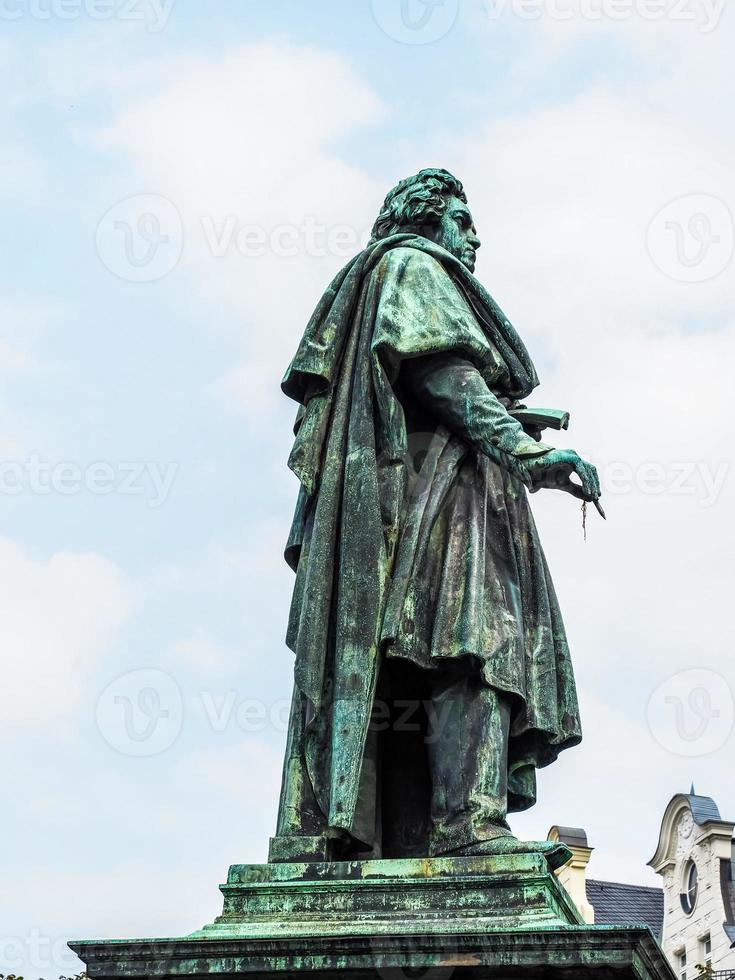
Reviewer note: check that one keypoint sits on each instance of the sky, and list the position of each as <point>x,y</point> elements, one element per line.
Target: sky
<point>179,181</point>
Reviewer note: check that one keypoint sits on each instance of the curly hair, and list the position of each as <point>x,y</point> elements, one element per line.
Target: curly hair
<point>416,201</point>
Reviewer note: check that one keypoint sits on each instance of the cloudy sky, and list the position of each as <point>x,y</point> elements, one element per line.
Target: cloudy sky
<point>179,181</point>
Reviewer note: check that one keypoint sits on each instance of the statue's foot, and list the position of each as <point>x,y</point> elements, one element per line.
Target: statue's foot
<point>556,853</point>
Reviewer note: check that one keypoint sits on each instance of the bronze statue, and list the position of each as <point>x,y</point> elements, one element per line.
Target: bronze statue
<point>432,672</point>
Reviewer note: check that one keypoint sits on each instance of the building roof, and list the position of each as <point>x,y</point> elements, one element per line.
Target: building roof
<point>573,836</point>
<point>618,904</point>
<point>704,812</point>
<point>703,808</point>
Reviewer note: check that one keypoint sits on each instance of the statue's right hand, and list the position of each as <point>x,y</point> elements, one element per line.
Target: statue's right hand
<point>554,471</point>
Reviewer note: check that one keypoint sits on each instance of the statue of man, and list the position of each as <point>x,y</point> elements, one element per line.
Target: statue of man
<point>432,673</point>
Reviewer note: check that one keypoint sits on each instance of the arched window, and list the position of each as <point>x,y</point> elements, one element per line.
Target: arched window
<point>689,892</point>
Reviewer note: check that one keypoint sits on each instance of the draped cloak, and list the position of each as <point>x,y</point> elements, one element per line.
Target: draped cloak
<point>448,565</point>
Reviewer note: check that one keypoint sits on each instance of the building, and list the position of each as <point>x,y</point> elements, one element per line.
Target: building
<point>695,858</point>
<point>693,914</point>
<point>606,902</point>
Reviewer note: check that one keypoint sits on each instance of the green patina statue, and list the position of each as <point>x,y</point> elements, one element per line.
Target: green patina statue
<point>432,671</point>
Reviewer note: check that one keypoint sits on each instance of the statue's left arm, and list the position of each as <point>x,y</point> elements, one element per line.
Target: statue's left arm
<point>426,332</point>
<point>451,388</point>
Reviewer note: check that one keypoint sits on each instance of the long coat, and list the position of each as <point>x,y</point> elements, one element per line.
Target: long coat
<point>361,529</point>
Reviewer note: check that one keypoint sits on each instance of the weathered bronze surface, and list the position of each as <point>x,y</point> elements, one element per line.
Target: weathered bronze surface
<point>432,673</point>
<point>486,918</point>
<point>392,897</point>
<point>544,953</point>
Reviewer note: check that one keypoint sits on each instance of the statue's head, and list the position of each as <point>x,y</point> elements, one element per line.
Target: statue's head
<point>432,203</point>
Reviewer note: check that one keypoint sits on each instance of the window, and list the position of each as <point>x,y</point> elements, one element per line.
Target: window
<point>689,893</point>
<point>706,944</point>
<point>682,959</point>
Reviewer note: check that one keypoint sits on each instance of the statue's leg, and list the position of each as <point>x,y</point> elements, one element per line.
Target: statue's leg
<point>301,833</point>
<point>467,747</point>
<point>404,777</point>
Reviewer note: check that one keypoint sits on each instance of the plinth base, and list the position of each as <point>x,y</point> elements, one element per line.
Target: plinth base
<point>483,917</point>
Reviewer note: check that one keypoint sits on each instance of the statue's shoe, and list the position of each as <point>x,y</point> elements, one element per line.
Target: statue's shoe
<point>556,853</point>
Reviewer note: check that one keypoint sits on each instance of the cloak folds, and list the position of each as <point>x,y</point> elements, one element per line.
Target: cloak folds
<point>356,530</point>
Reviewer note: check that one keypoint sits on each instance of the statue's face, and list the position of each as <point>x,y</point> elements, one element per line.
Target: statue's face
<point>456,232</point>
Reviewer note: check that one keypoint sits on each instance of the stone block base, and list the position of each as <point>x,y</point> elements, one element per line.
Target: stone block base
<point>490,917</point>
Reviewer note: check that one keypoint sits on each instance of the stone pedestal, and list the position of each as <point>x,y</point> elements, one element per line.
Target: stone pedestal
<point>491,917</point>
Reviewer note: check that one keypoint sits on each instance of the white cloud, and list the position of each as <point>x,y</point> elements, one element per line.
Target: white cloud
<point>22,324</point>
<point>22,171</point>
<point>26,325</point>
<point>59,615</point>
<point>248,139</point>
<point>199,652</point>
<point>245,776</point>
<point>213,807</point>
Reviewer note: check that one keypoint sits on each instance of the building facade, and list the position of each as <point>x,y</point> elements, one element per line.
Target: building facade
<point>693,914</point>
<point>695,859</point>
